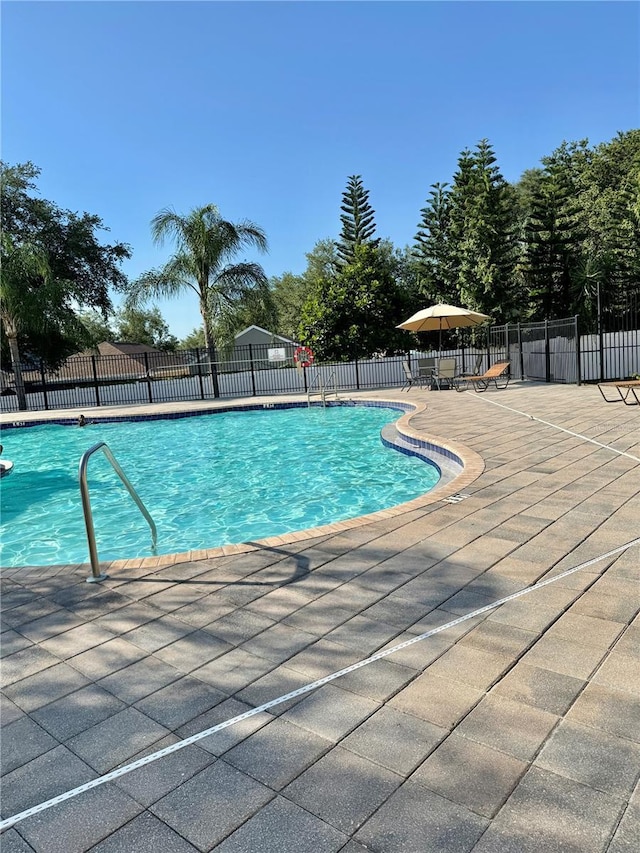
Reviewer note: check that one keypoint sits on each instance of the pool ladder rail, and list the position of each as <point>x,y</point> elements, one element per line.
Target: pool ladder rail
<point>323,387</point>
<point>96,575</point>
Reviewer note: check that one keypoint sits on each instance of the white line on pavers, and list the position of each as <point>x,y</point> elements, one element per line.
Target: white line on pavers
<point>555,426</point>
<point>141,762</point>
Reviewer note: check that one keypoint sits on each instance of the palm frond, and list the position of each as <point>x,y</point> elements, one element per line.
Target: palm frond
<point>235,280</point>
<point>165,283</point>
<point>185,230</point>
<point>206,245</point>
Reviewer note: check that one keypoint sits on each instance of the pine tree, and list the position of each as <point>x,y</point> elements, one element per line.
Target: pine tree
<point>358,225</point>
<point>611,202</point>
<point>483,235</point>
<point>432,248</point>
<point>553,240</point>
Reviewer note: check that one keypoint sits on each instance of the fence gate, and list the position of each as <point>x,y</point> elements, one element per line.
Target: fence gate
<point>547,351</point>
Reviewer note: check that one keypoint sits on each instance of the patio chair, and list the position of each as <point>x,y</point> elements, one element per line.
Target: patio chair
<point>444,373</point>
<point>410,378</point>
<point>624,388</point>
<point>497,374</point>
<point>426,367</point>
<point>476,367</point>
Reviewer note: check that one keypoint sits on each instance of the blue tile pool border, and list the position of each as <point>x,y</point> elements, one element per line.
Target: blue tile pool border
<point>407,444</point>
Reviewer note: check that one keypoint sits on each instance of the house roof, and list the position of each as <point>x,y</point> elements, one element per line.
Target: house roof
<point>116,348</point>
<point>266,332</point>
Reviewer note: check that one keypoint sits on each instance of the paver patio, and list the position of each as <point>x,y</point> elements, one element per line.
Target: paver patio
<point>516,730</point>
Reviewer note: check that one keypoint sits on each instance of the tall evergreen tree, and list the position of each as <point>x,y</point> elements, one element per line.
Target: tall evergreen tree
<point>553,239</point>
<point>611,203</point>
<point>432,248</point>
<point>483,235</point>
<point>358,225</point>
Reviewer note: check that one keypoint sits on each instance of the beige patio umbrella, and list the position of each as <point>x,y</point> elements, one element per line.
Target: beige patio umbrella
<point>439,317</point>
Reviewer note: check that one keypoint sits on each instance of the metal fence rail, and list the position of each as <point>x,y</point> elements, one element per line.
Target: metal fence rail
<point>611,349</point>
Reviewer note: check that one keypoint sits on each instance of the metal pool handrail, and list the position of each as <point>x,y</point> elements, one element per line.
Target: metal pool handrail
<point>322,387</point>
<point>86,506</point>
<point>314,379</point>
<point>325,389</point>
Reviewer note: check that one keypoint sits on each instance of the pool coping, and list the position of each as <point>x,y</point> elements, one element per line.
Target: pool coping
<point>471,463</point>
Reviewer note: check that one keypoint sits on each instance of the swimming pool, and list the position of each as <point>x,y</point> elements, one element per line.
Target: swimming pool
<point>207,480</point>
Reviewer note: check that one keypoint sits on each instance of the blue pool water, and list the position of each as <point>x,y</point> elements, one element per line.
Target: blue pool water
<point>206,480</point>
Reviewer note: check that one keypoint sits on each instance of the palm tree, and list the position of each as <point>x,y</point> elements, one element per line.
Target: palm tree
<point>27,295</point>
<point>205,247</point>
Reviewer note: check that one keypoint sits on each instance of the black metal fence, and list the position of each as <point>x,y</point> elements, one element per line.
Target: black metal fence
<point>153,377</point>
<point>546,352</point>
<point>611,348</point>
<point>550,351</point>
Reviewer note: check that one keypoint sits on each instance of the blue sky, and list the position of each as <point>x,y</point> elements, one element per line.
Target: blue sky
<point>265,108</point>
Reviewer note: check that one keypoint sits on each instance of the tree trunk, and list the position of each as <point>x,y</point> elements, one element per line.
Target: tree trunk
<point>209,345</point>
<point>17,371</point>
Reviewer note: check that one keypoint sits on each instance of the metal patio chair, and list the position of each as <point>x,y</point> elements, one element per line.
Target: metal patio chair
<point>444,373</point>
<point>411,379</point>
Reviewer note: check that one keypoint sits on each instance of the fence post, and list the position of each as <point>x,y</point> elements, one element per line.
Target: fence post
<point>95,379</point>
<point>578,359</point>
<point>506,340</point>
<point>357,375</point>
<point>198,362</point>
<point>489,346</point>
<point>44,386</point>
<point>547,353</point>
<point>214,372</point>
<point>520,353</point>
<point>463,360</point>
<point>146,369</point>
<point>600,341</point>
<point>253,376</point>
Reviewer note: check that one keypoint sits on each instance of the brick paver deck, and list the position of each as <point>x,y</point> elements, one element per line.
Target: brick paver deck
<point>517,730</point>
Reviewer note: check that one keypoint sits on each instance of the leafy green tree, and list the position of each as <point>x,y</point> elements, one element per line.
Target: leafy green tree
<point>206,245</point>
<point>354,314</point>
<point>322,261</point>
<point>290,292</point>
<point>52,266</point>
<point>27,296</point>
<point>194,340</point>
<point>98,328</point>
<point>405,271</point>
<point>357,218</point>
<point>74,255</point>
<point>254,308</point>
<point>140,326</point>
